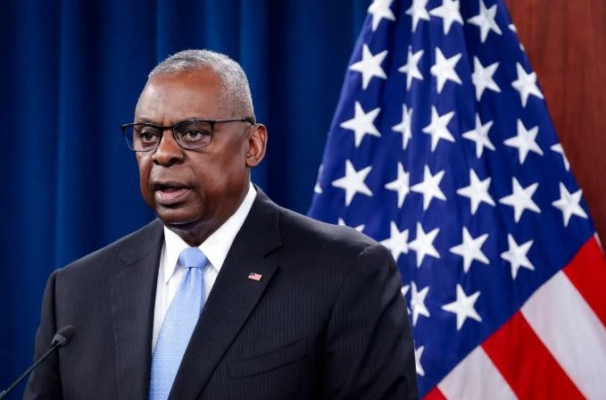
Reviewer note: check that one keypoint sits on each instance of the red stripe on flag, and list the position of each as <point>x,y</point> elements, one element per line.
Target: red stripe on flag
<point>526,364</point>
<point>587,272</point>
<point>435,394</point>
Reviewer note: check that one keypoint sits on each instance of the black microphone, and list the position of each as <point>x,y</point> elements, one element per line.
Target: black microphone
<point>61,339</point>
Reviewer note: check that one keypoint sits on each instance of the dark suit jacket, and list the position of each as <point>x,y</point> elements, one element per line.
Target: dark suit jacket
<point>326,321</point>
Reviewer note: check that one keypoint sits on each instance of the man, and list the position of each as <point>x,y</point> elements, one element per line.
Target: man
<point>291,308</point>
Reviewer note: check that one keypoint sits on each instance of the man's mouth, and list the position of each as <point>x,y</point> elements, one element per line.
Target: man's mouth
<point>170,193</point>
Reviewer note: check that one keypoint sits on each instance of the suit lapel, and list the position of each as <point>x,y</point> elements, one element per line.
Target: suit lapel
<point>232,299</point>
<point>133,297</point>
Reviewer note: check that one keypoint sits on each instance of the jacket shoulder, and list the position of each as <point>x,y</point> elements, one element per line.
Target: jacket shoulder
<point>127,249</point>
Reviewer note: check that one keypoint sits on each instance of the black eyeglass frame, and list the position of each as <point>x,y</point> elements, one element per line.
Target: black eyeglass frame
<point>211,122</point>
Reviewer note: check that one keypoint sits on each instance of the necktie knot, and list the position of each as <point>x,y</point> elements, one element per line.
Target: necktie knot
<point>192,257</point>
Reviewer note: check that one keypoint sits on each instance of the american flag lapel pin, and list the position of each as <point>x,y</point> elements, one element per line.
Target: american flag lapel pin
<point>253,276</point>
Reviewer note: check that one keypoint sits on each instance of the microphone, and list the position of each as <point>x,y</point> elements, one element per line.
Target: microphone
<point>61,339</point>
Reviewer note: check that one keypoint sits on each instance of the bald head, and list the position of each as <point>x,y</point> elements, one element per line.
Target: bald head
<point>235,95</point>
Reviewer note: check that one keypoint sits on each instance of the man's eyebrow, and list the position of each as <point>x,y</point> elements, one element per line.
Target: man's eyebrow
<point>146,121</point>
<point>191,119</point>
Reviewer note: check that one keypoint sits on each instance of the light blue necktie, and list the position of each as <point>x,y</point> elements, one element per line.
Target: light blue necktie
<point>178,325</point>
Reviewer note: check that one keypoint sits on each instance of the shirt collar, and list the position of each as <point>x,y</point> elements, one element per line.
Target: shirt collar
<point>216,246</point>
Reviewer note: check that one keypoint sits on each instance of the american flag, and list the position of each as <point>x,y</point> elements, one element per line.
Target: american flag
<point>253,276</point>
<point>442,149</point>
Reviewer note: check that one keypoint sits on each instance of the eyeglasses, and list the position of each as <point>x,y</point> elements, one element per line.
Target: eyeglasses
<point>189,134</point>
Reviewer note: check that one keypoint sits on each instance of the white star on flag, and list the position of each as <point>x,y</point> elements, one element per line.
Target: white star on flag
<point>317,187</point>
<point>558,149</point>
<point>485,20</point>
<point>429,187</point>
<point>369,66</point>
<point>423,244</point>
<point>362,123</point>
<point>449,12</point>
<point>405,290</point>
<point>479,136</point>
<point>521,199</point>
<point>569,205</point>
<point>397,242</point>
<point>418,11</point>
<point>353,182</point>
<point>516,256</point>
<point>401,185</point>
<point>463,307</point>
<point>418,355</point>
<point>417,303</point>
<point>471,249</point>
<point>525,141</point>
<point>513,28</point>
<point>526,84</point>
<point>444,69</point>
<point>411,68</point>
<point>380,9</point>
<point>477,191</point>
<point>404,127</point>
<point>438,128</point>
<point>359,228</point>
<point>482,78</point>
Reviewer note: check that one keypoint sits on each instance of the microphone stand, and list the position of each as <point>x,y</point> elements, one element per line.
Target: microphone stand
<point>61,338</point>
<point>30,369</point>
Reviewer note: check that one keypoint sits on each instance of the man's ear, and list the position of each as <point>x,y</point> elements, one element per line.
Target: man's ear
<point>257,142</point>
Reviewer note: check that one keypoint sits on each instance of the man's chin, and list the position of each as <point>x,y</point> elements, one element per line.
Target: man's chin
<point>189,228</point>
<point>177,218</point>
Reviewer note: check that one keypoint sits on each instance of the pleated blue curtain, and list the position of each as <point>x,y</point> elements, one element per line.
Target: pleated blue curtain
<point>70,74</point>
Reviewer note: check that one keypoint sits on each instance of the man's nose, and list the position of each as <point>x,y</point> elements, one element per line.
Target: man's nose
<point>168,152</point>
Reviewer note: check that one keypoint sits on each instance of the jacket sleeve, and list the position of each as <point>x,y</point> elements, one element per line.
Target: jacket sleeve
<point>369,349</point>
<point>45,380</point>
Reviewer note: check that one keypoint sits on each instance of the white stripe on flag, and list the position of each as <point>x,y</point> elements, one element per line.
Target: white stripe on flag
<point>571,331</point>
<point>475,378</point>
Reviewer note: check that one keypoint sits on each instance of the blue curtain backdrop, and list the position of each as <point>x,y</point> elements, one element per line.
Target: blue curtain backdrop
<point>70,74</point>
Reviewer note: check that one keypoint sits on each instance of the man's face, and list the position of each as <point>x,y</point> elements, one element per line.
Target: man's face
<point>194,191</point>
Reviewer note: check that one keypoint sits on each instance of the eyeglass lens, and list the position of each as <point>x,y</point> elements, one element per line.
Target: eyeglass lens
<point>189,134</point>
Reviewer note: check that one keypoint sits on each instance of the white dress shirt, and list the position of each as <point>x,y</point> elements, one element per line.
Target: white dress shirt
<point>215,247</point>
